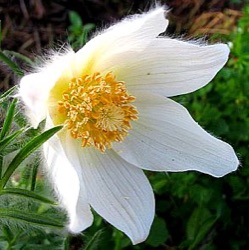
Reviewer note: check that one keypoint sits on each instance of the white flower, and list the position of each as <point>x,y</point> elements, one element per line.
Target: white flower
<point>112,97</point>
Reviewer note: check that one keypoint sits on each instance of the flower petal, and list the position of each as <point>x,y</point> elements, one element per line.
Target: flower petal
<point>169,67</point>
<point>117,191</point>
<point>34,89</point>
<point>167,138</point>
<point>133,33</point>
<point>69,186</point>
<point>34,97</point>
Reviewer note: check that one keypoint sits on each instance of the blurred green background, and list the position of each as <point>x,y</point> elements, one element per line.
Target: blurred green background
<point>193,210</point>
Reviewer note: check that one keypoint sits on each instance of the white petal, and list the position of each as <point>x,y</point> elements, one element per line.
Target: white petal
<point>118,191</point>
<point>170,67</point>
<point>133,33</point>
<point>67,181</point>
<point>34,88</point>
<point>166,138</point>
<point>34,97</point>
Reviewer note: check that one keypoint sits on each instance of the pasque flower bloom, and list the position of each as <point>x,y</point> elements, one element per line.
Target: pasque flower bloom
<point>112,98</point>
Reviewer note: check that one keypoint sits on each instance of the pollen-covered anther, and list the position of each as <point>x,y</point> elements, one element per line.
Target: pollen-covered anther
<point>98,110</point>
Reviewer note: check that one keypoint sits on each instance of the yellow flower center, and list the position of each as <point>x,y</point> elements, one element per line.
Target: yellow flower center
<point>97,110</point>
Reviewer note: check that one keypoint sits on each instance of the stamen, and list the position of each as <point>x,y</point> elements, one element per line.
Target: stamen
<point>98,110</point>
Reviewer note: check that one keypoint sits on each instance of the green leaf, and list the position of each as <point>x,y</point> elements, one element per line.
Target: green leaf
<point>158,234</point>
<point>27,194</point>
<point>33,176</point>
<point>0,33</point>
<point>28,149</point>
<point>75,19</point>
<point>20,56</point>
<point>8,119</point>
<point>11,64</point>
<point>204,230</point>
<point>6,94</point>
<point>7,232</point>
<point>66,243</point>
<point>198,226</point>
<point>195,221</point>
<point>7,140</point>
<point>93,243</point>
<point>32,219</point>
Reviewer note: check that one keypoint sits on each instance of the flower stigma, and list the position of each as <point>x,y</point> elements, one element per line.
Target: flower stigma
<point>97,110</point>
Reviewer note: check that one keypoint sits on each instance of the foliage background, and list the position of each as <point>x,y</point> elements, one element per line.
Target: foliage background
<point>193,210</point>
